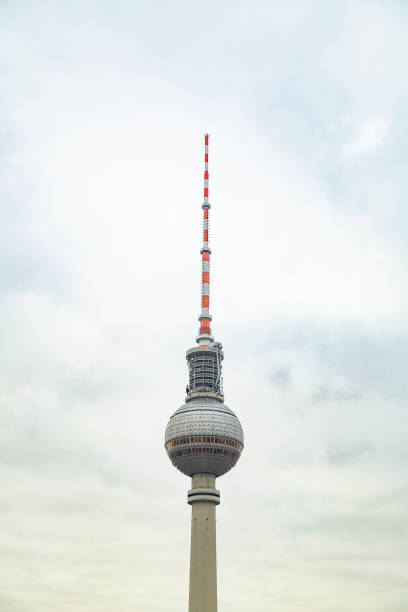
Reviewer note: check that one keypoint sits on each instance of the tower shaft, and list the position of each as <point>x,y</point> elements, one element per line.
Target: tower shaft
<point>203,498</point>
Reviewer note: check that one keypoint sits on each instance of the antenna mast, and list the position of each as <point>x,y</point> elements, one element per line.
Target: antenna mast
<point>204,337</point>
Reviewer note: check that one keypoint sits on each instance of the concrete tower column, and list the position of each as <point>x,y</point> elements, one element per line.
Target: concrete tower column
<point>203,497</point>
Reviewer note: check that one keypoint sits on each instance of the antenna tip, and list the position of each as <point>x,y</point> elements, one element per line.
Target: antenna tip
<point>206,137</point>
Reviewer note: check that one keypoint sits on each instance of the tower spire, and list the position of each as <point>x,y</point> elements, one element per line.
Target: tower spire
<point>204,337</point>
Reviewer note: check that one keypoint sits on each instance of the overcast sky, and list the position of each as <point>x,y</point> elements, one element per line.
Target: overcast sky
<point>103,109</point>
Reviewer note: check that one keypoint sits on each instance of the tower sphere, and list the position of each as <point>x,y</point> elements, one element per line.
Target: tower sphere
<point>204,436</point>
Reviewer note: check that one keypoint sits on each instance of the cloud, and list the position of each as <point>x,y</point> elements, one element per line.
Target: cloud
<point>343,456</point>
<point>103,111</point>
<point>281,377</point>
<point>370,136</point>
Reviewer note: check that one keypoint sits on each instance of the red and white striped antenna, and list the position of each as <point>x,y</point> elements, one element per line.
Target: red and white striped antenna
<point>204,337</point>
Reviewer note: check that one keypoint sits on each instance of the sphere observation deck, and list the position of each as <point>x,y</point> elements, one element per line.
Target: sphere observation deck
<point>204,436</point>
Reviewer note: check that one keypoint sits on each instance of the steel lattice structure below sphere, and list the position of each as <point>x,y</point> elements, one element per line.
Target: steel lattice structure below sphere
<point>204,436</point>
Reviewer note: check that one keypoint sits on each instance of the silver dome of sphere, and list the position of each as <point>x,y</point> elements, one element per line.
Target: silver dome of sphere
<point>204,437</point>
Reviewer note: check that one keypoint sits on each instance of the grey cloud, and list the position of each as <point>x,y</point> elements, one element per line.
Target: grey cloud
<point>281,378</point>
<point>346,455</point>
<point>324,393</point>
<point>365,359</point>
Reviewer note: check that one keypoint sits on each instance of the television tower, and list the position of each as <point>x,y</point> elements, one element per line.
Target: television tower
<point>204,438</point>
